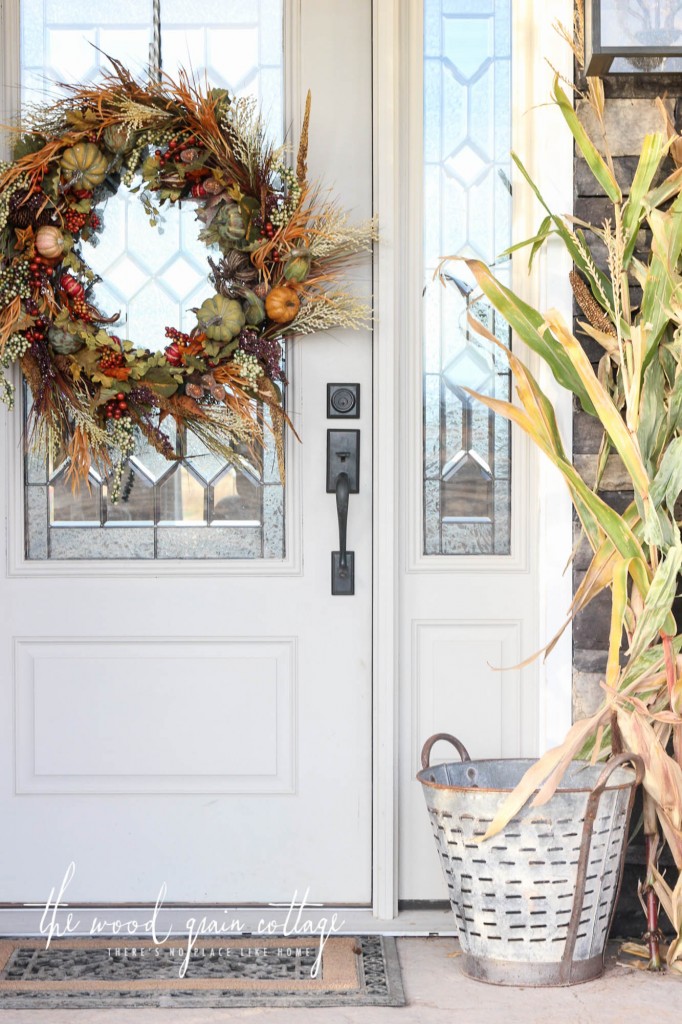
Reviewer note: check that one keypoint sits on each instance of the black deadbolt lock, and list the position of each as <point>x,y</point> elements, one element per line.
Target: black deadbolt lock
<point>343,401</point>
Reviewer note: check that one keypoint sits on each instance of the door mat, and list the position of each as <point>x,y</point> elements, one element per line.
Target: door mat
<point>247,971</point>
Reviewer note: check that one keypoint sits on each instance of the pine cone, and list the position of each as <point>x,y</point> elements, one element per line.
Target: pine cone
<point>234,271</point>
<point>26,210</point>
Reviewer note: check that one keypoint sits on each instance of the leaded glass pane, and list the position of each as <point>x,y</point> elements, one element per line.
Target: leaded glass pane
<point>85,507</point>
<point>467,212</point>
<point>200,506</point>
<point>138,507</point>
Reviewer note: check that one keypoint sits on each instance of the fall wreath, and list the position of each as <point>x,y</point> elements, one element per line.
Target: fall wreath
<point>276,248</point>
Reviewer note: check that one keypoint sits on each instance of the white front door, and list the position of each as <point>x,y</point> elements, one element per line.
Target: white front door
<point>200,722</point>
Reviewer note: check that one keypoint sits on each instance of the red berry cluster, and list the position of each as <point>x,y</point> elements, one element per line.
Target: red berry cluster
<point>39,329</point>
<point>116,407</point>
<point>37,332</point>
<point>110,360</point>
<point>38,270</point>
<point>179,341</point>
<point>74,220</point>
<point>175,335</point>
<point>95,222</point>
<point>269,229</point>
<point>175,148</point>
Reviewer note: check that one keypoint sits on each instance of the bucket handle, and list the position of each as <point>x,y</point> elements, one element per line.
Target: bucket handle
<point>583,858</point>
<point>426,749</point>
<point>617,762</point>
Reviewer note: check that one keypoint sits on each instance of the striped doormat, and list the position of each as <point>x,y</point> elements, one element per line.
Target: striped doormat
<point>247,971</point>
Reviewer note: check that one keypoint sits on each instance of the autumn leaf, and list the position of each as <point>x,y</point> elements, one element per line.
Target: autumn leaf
<point>24,238</point>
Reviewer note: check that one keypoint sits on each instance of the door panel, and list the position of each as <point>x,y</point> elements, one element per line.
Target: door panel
<point>59,752</point>
<point>211,729</point>
<point>469,612</point>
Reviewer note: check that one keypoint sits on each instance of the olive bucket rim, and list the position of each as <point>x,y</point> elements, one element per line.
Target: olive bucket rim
<point>431,783</point>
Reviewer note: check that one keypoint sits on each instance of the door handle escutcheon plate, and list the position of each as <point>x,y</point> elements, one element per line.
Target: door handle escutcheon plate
<point>343,456</point>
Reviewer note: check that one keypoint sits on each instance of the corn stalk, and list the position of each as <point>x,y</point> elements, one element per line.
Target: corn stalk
<point>637,397</point>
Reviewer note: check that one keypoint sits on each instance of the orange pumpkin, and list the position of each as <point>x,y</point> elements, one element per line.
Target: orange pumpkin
<point>282,304</point>
<point>49,242</point>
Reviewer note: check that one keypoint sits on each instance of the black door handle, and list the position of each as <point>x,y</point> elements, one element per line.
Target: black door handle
<point>343,464</point>
<point>342,495</point>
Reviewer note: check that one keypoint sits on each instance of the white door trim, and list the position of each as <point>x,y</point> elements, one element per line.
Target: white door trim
<point>389,89</point>
<point>545,144</point>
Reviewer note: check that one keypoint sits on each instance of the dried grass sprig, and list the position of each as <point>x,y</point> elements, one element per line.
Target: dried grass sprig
<point>594,274</point>
<point>615,248</point>
<point>9,319</point>
<point>333,309</point>
<point>223,432</point>
<point>268,392</point>
<point>575,34</point>
<point>302,158</point>
<point>244,126</point>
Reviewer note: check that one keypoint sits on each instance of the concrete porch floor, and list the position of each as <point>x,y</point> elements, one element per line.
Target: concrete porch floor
<point>434,985</point>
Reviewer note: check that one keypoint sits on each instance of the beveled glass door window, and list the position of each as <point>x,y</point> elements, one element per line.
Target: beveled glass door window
<point>199,506</point>
<point>466,212</point>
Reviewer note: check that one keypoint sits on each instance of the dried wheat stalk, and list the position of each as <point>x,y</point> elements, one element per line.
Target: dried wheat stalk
<point>301,163</point>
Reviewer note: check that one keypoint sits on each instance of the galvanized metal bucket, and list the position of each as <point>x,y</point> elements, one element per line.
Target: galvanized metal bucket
<point>533,904</point>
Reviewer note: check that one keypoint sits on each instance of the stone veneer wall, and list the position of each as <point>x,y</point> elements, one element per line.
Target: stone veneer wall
<point>630,114</point>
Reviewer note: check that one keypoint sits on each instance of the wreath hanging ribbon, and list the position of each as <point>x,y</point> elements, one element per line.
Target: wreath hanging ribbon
<point>278,247</point>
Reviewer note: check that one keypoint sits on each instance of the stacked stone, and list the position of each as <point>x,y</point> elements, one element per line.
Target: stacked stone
<point>630,114</point>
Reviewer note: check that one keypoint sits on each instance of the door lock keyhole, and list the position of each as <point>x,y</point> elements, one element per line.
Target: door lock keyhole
<point>343,400</point>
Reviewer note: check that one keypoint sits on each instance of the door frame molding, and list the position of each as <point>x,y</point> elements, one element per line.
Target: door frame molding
<point>388,97</point>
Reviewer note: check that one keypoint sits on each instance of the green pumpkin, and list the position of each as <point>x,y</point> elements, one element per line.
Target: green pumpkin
<point>119,138</point>
<point>85,165</point>
<point>63,343</point>
<point>221,319</point>
<point>229,223</point>
<point>297,267</point>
